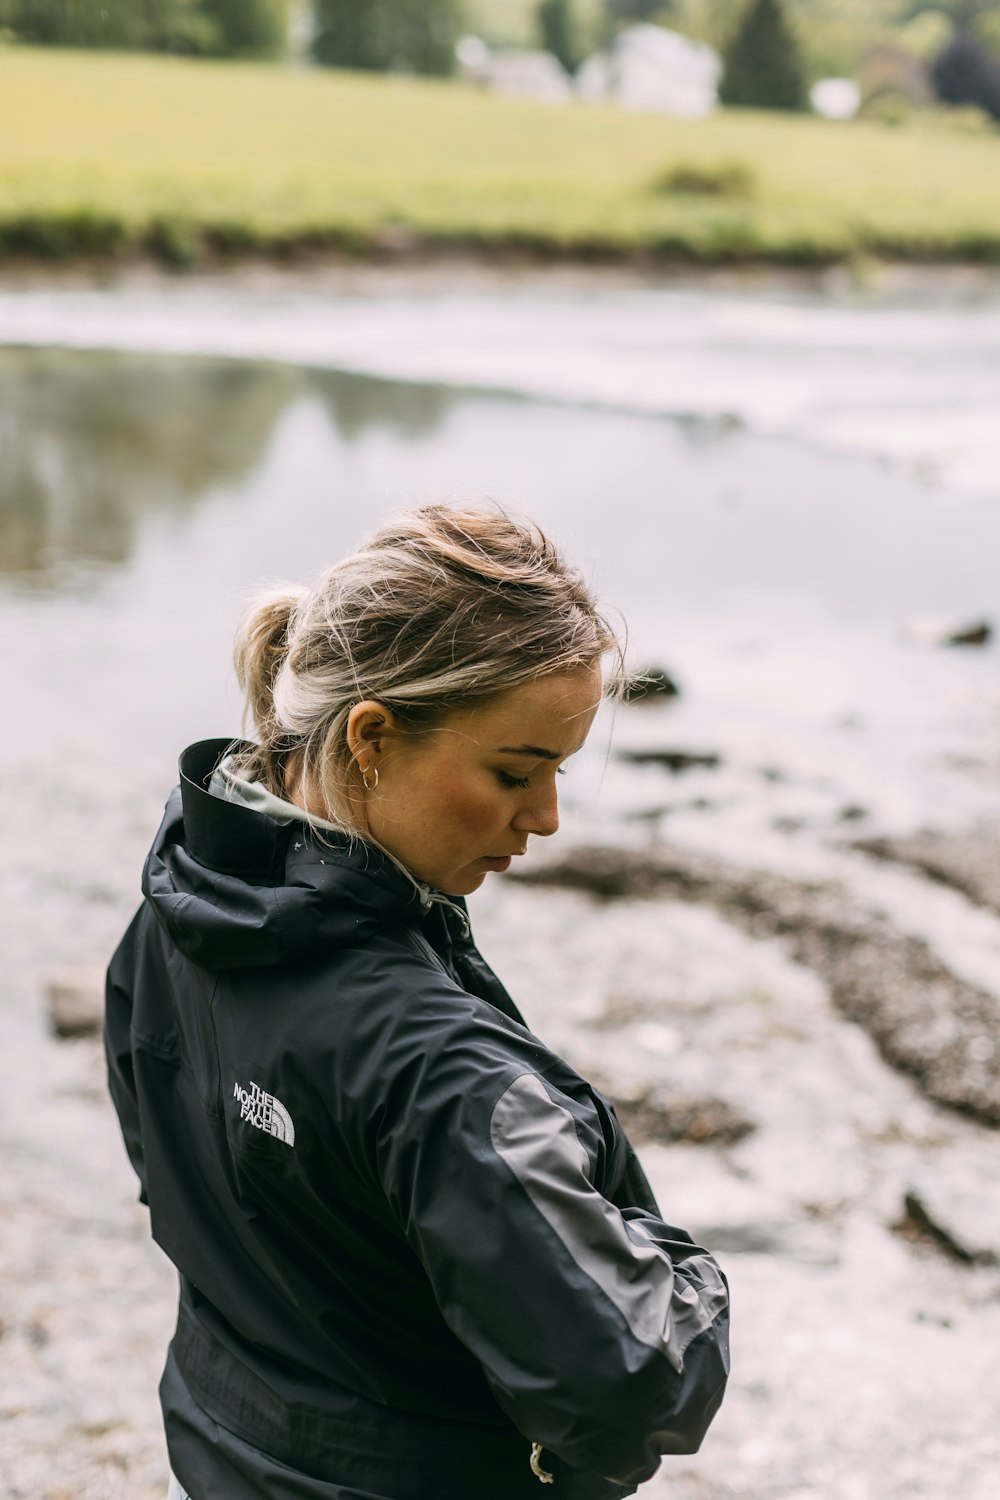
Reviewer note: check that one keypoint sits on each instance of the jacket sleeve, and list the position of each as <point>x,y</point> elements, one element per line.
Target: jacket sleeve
<point>118,1050</point>
<point>602,1331</point>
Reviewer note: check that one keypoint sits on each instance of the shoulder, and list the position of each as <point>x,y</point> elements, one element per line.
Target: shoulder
<point>390,1039</point>
<point>413,1019</point>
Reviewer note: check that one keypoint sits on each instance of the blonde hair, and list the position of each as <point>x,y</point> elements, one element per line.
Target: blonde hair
<point>438,610</point>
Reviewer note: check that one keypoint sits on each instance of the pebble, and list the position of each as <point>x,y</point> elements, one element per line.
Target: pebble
<point>75,998</point>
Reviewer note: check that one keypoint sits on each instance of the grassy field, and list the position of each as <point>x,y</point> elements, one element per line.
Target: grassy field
<point>104,154</point>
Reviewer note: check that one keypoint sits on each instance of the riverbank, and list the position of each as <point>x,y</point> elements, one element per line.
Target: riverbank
<point>322,273</point>
<point>179,159</point>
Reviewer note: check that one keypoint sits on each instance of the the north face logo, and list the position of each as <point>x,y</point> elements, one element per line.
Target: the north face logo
<point>265,1112</point>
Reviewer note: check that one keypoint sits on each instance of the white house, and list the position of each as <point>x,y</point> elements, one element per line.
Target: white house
<point>835,98</point>
<point>650,68</point>
<point>522,75</point>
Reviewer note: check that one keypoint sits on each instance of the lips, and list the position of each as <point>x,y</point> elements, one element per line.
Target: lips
<point>500,861</point>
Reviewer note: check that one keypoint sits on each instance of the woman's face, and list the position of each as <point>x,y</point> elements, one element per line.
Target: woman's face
<point>460,800</point>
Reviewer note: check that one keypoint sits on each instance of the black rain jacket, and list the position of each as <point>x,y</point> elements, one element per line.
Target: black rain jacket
<point>412,1241</point>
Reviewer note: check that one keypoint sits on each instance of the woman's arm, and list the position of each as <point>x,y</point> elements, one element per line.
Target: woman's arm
<point>602,1331</point>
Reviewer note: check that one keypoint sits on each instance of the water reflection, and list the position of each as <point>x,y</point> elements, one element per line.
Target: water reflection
<point>356,403</point>
<point>94,446</point>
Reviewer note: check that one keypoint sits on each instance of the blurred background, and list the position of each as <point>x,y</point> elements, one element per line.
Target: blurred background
<point>711,289</point>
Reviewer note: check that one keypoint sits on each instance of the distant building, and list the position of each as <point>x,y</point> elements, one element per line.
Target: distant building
<point>650,68</point>
<point>521,75</point>
<point>835,98</point>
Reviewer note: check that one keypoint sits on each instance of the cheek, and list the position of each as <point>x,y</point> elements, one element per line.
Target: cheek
<point>471,812</point>
<point>467,811</point>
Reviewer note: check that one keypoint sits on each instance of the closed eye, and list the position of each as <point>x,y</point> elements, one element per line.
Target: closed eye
<point>506,779</point>
<point>513,781</point>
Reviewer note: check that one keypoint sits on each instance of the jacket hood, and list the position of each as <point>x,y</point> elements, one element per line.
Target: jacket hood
<point>235,888</point>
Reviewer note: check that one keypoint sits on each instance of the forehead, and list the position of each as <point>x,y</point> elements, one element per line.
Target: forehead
<point>553,713</point>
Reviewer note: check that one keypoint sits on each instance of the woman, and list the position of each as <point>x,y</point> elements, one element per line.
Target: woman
<point>418,1259</point>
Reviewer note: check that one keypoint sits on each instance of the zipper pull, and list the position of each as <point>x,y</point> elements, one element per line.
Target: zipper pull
<point>536,1465</point>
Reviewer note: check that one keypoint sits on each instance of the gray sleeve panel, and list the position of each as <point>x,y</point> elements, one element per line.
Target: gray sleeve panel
<point>536,1137</point>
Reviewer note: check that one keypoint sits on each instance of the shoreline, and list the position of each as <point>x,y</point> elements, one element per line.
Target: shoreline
<point>867,279</point>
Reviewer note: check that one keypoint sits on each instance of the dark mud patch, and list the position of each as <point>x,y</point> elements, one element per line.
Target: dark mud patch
<point>674,761</point>
<point>655,1116</point>
<point>926,1022</point>
<point>745,1239</point>
<point>920,1225</point>
<point>968,862</point>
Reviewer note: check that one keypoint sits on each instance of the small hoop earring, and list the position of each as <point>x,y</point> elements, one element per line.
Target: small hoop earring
<point>370,785</point>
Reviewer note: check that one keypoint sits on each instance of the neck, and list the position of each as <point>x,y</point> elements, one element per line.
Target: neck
<point>299,789</point>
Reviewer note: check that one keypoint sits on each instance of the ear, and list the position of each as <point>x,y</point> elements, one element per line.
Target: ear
<point>369,725</point>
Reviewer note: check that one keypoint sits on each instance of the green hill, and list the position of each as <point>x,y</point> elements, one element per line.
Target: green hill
<point>120,153</point>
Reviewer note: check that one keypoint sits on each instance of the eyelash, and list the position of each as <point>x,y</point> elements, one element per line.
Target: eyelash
<point>520,782</point>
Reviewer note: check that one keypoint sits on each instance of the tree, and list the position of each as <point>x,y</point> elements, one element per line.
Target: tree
<point>181,26</point>
<point>345,34</point>
<point>407,36</point>
<point>78,23</point>
<point>626,12</point>
<point>763,63</point>
<point>248,28</point>
<point>963,14</point>
<point>979,19</point>
<point>555,21</point>
<point>965,73</point>
<point>225,27</point>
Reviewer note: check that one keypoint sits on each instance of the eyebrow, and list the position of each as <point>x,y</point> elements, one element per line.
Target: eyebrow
<point>536,750</point>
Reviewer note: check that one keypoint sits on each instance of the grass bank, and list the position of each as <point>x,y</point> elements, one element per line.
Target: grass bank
<point>114,154</point>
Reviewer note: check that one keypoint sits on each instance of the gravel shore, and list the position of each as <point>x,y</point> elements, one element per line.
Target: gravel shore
<point>854,1215</point>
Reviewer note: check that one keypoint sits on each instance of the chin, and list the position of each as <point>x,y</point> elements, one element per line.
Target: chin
<point>464,885</point>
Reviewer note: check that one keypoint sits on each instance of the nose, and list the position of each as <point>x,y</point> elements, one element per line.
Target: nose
<point>541,814</point>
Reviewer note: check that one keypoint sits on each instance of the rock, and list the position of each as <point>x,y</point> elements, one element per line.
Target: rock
<point>933,631</point>
<point>648,814</point>
<point>75,998</point>
<point>651,685</point>
<point>789,823</point>
<point>773,774</point>
<point>979,634</point>
<point>960,1236</point>
<point>656,1116</point>
<point>674,761</point>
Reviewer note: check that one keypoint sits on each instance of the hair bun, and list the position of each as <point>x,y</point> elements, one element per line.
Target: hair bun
<point>261,647</point>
